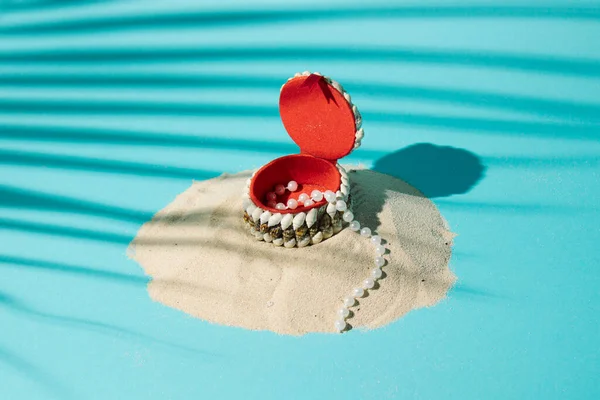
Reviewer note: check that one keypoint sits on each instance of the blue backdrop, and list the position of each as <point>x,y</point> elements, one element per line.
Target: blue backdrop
<point>109,109</point>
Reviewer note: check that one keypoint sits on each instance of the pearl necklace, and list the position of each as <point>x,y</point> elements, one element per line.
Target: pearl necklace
<point>343,314</point>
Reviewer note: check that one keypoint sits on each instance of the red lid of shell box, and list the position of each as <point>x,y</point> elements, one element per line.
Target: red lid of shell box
<point>318,115</point>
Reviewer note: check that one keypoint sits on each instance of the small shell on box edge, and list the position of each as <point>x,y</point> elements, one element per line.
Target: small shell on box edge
<point>327,232</point>
<point>275,219</point>
<point>345,180</point>
<point>306,73</point>
<point>298,220</point>
<point>286,221</point>
<point>304,242</point>
<point>339,194</point>
<point>318,238</point>
<point>250,209</point>
<point>278,241</point>
<point>337,86</point>
<point>331,210</point>
<point>311,217</point>
<point>357,117</point>
<point>264,217</point>
<point>359,134</point>
<point>347,97</point>
<point>344,190</point>
<point>267,238</point>
<point>257,213</point>
<point>289,244</point>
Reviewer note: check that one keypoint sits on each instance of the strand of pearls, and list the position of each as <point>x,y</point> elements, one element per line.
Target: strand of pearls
<point>303,198</point>
<point>340,205</point>
<point>376,273</point>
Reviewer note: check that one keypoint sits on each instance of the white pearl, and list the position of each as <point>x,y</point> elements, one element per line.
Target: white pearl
<point>380,250</point>
<point>330,196</point>
<point>292,204</point>
<point>366,232</point>
<point>316,195</point>
<point>355,225</point>
<point>340,325</point>
<point>376,240</point>
<point>368,283</point>
<point>292,186</point>
<point>349,301</point>
<point>308,203</point>
<point>348,216</point>
<point>280,189</point>
<point>358,292</point>
<point>303,198</point>
<point>341,205</point>
<point>343,312</point>
<point>376,273</point>
<point>280,206</point>
<point>271,196</point>
<point>379,261</point>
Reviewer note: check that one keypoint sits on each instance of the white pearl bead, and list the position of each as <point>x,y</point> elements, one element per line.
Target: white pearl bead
<point>376,240</point>
<point>349,301</point>
<point>308,203</point>
<point>280,189</point>
<point>330,196</point>
<point>380,250</point>
<point>368,283</point>
<point>340,205</point>
<point>292,204</point>
<point>280,206</point>
<point>292,186</point>
<point>343,312</point>
<point>340,325</point>
<point>316,195</point>
<point>303,198</point>
<point>271,196</point>
<point>348,216</point>
<point>358,292</point>
<point>355,225</point>
<point>376,273</point>
<point>366,232</point>
<point>379,261</point>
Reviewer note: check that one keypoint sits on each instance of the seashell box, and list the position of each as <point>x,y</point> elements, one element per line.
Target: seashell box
<point>321,119</point>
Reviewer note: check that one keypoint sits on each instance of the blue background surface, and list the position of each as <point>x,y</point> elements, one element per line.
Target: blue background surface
<point>109,109</point>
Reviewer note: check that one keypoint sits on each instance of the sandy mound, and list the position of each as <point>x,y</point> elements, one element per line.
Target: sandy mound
<point>205,263</point>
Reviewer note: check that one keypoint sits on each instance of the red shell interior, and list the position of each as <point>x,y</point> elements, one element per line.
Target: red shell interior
<point>310,172</point>
<point>317,117</point>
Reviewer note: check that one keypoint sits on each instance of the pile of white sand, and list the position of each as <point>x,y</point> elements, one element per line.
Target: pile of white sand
<point>203,261</point>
